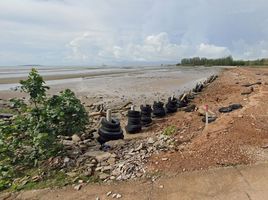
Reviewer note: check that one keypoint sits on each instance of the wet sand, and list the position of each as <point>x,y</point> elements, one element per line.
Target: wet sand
<point>118,86</point>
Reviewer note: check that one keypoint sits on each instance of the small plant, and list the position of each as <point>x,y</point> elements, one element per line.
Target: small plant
<point>170,130</point>
<point>31,136</point>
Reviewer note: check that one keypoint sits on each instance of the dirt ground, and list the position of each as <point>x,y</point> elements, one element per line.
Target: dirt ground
<point>236,138</point>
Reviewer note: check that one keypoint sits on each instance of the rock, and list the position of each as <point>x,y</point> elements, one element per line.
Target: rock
<point>103,176</point>
<point>97,198</point>
<point>118,196</point>
<point>114,143</point>
<point>103,156</point>
<point>67,143</point>
<point>161,186</point>
<point>66,160</point>
<point>113,195</point>
<point>88,172</point>
<point>139,147</point>
<point>78,187</point>
<point>107,169</point>
<point>111,161</point>
<point>150,141</point>
<point>108,193</point>
<point>164,159</point>
<point>76,138</point>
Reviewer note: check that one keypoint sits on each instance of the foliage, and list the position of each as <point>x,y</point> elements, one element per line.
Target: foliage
<point>66,113</point>
<point>226,61</point>
<point>31,135</point>
<point>35,87</point>
<point>170,130</point>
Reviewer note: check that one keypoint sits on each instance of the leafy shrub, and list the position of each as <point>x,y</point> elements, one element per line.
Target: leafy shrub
<point>31,136</point>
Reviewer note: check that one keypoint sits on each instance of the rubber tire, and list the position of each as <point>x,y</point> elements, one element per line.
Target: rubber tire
<point>113,124</point>
<point>133,113</point>
<point>225,109</point>
<point>133,128</point>
<point>106,135</point>
<point>210,119</point>
<point>190,108</point>
<point>235,106</point>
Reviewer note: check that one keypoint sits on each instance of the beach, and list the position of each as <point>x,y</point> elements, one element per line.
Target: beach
<point>112,86</point>
<point>229,156</point>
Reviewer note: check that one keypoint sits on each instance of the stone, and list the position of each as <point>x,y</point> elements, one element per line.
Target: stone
<point>88,172</point>
<point>150,141</point>
<point>247,91</point>
<point>164,159</point>
<point>66,160</point>
<point>114,143</point>
<point>139,147</point>
<point>103,176</point>
<point>67,143</point>
<point>103,156</point>
<point>78,187</point>
<point>118,196</point>
<point>76,138</point>
<point>111,161</point>
<point>108,193</point>
<point>161,186</point>
<point>106,169</point>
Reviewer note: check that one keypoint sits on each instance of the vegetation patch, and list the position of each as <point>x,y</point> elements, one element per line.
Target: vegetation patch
<point>30,137</point>
<point>170,130</point>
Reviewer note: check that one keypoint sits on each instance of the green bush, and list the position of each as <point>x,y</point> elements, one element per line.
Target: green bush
<point>31,135</point>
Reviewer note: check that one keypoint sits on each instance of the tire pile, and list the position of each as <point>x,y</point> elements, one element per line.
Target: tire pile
<point>110,131</point>
<point>171,105</point>
<point>134,121</point>
<point>158,109</point>
<point>198,88</point>
<point>146,115</point>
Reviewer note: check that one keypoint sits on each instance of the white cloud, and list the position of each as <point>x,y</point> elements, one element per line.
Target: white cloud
<point>96,32</point>
<point>153,48</point>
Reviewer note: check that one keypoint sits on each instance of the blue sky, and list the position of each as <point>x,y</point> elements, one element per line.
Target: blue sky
<point>95,32</point>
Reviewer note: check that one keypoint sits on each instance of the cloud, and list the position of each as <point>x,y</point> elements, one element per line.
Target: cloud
<point>94,32</point>
<point>153,48</point>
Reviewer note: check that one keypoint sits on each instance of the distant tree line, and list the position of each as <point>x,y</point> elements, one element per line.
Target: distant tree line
<point>225,61</point>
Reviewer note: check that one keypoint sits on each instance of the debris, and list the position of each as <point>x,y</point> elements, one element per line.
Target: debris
<point>78,187</point>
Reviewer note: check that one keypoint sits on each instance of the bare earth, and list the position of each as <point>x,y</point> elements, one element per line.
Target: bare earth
<point>210,162</point>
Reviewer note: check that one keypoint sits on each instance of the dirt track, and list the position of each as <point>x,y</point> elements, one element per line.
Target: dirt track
<point>233,139</point>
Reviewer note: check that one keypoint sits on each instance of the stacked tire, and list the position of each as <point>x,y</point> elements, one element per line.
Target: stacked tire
<point>182,103</point>
<point>198,88</point>
<point>158,109</point>
<point>110,130</point>
<point>146,115</point>
<point>171,105</point>
<point>134,122</point>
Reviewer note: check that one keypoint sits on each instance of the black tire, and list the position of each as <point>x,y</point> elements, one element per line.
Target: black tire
<point>133,128</point>
<point>133,113</point>
<point>225,109</point>
<point>134,120</point>
<point>159,112</point>
<point>181,104</point>
<point>107,135</point>
<point>210,119</point>
<point>158,104</point>
<point>112,130</point>
<point>190,108</point>
<point>146,109</point>
<point>235,106</point>
<point>113,124</point>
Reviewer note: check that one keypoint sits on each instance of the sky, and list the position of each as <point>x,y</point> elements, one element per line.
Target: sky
<point>96,32</point>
